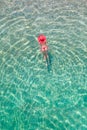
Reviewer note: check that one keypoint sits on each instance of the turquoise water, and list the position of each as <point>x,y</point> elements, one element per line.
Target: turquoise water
<point>34,96</point>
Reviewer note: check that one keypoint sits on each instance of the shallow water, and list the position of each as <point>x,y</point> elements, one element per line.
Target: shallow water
<point>34,96</point>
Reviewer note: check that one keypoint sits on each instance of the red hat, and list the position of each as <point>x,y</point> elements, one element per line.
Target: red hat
<point>41,39</point>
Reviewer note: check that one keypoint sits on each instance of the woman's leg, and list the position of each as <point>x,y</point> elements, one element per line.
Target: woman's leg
<point>45,55</point>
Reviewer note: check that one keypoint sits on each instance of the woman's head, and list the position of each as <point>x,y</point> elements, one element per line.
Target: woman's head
<point>42,39</point>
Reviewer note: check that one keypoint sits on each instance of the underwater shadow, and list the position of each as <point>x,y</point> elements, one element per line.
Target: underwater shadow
<point>49,61</point>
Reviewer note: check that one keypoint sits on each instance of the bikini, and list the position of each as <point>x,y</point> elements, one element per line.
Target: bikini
<point>44,48</point>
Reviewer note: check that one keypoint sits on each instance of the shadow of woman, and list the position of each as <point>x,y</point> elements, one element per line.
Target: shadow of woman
<point>49,62</point>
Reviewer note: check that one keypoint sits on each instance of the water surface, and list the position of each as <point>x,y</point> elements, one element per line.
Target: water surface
<point>32,95</point>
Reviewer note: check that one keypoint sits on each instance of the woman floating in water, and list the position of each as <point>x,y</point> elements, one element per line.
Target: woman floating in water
<point>43,43</point>
<point>44,49</point>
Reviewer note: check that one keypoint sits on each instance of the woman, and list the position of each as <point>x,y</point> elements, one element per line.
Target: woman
<point>43,43</point>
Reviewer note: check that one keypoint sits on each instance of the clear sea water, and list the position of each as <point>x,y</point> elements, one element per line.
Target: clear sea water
<point>34,96</point>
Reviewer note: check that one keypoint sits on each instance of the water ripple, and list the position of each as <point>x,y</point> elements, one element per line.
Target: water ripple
<point>33,95</point>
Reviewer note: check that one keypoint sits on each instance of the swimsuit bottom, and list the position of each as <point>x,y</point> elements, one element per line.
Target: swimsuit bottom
<point>44,48</point>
